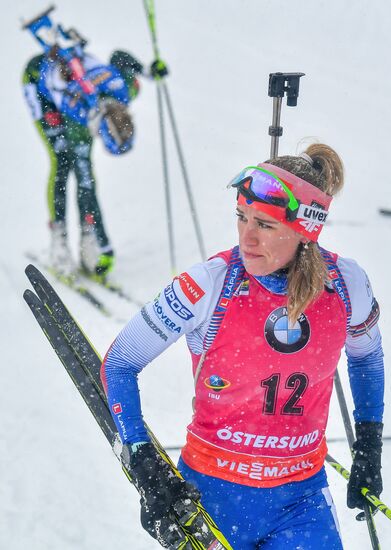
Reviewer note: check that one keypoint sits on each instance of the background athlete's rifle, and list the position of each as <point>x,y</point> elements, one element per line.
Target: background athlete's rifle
<point>67,45</point>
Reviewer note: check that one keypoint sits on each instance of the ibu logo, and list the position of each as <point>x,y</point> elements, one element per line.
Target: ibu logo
<point>216,383</point>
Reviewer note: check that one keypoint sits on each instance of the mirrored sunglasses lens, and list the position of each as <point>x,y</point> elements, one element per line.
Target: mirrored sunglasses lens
<point>265,184</point>
<point>267,188</point>
<point>237,180</point>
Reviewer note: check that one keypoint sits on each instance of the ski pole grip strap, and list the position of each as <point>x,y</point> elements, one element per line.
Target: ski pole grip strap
<point>368,435</point>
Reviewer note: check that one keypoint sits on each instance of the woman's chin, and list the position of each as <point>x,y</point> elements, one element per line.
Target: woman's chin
<point>256,270</point>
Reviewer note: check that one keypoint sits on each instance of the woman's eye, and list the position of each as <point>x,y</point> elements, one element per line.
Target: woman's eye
<point>264,225</point>
<point>240,216</point>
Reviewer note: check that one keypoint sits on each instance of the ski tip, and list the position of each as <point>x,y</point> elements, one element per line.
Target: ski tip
<point>31,270</point>
<point>29,296</point>
<point>26,294</point>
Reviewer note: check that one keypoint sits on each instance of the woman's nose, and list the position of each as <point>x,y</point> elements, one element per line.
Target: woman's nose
<point>250,236</point>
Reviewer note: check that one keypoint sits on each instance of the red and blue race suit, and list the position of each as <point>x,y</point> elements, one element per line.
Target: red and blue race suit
<point>264,386</point>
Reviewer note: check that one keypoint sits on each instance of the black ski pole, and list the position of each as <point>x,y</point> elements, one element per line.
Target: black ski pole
<point>373,499</point>
<point>150,14</point>
<point>166,180</point>
<point>186,180</point>
<point>162,86</point>
<point>279,84</point>
<point>351,438</point>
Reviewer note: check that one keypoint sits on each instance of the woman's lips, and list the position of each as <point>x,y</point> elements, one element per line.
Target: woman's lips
<point>251,256</point>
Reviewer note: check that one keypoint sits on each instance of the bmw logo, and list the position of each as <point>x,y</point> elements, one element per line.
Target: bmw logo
<point>285,338</point>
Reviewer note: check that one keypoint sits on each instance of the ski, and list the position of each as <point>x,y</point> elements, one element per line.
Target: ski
<point>72,365</point>
<point>74,283</point>
<point>82,363</point>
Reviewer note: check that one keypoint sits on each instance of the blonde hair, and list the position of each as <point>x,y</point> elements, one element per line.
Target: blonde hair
<point>307,273</point>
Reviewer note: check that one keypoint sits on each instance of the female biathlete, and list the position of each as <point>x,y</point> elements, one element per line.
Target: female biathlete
<point>265,324</point>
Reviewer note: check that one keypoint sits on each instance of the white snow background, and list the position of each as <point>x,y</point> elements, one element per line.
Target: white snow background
<point>60,485</point>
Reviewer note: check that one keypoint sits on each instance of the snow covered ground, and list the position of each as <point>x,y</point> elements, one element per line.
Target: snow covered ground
<point>61,487</point>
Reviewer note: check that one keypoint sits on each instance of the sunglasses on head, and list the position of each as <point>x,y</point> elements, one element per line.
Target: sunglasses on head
<point>260,185</point>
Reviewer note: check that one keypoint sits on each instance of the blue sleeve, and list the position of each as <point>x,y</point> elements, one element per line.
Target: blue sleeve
<point>181,308</point>
<point>109,83</point>
<point>41,83</point>
<point>366,375</point>
<point>124,397</point>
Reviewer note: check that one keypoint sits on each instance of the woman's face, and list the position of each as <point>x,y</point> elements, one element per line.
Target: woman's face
<point>265,244</point>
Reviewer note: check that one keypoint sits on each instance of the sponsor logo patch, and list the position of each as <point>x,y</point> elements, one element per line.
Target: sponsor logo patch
<point>216,383</point>
<point>313,216</point>
<point>260,471</point>
<point>176,305</point>
<point>190,288</point>
<point>333,274</point>
<point>228,289</point>
<point>224,303</point>
<point>283,337</point>
<point>169,323</point>
<point>117,408</point>
<point>152,325</point>
<point>244,288</point>
<point>259,441</point>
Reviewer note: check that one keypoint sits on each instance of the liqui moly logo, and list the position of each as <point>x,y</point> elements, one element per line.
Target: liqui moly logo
<point>190,288</point>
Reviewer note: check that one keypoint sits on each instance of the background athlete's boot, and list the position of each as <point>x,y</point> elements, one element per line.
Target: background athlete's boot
<point>96,262</point>
<point>89,248</point>
<point>60,256</point>
<point>104,264</point>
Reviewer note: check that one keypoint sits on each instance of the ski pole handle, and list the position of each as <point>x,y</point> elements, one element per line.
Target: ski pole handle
<point>150,14</point>
<point>371,498</point>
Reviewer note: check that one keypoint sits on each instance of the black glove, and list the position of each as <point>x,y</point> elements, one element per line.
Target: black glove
<point>158,69</point>
<point>165,498</point>
<point>366,463</point>
<point>126,63</point>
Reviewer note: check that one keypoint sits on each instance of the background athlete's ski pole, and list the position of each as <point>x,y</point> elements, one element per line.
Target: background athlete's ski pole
<point>159,71</point>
